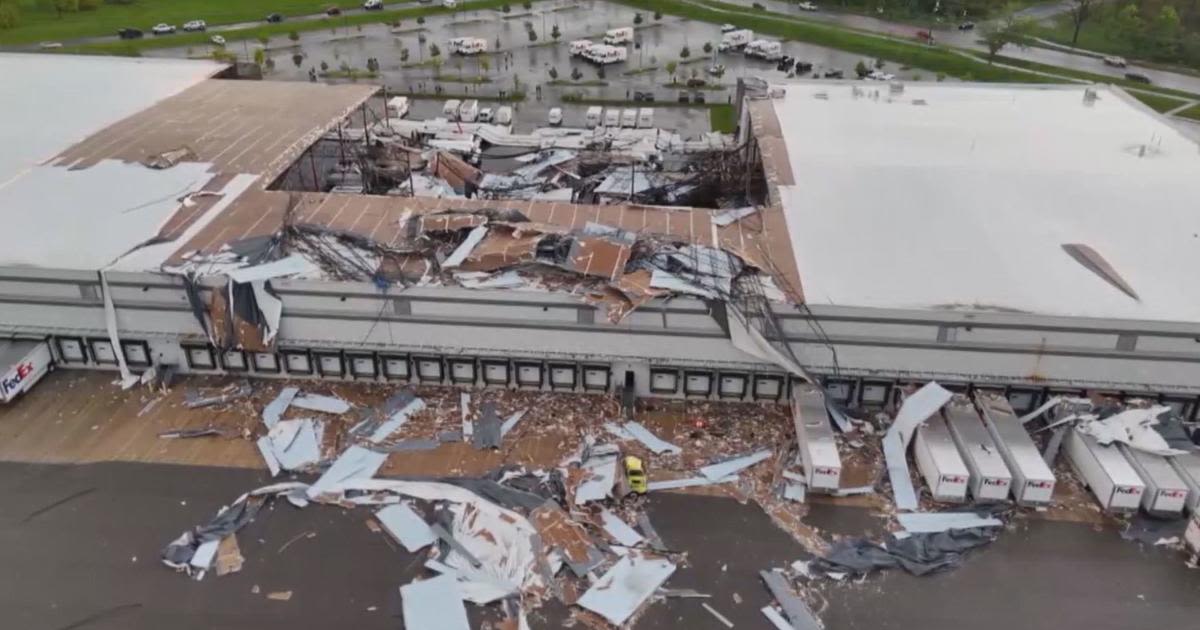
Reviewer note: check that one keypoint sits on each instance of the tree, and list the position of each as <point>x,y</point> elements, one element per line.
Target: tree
<point>576,74</point>
<point>65,6</point>
<point>553,73</point>
<point>532,35</point>
<point>637,18</point>
<point>293,36</point>
<point>434,51</point>
<point>324,67</point>
<point>671,67</point>
<point>1080,11</point>
<point>505,8</point>
<point>861,69</point>
<point>685,52</point>
<point>260,56</point>
<point>1009,29</point>
<point>527,5</point>
<point>404,55</point>
<point>1126,25</point>
<point>297,59</point>
<point>555,33</point>
<point>657,15</point>
<point>1163,32</point>
<point>10,15</point>
<point>420,19</point>
<point>708,48</point>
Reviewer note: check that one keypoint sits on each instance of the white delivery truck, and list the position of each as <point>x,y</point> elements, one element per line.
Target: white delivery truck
<point>818,447</point>
<point>1187,466</point>
<point>23,362</point>
<point>990,478</point>
<point>1110,477</point>
<point>770,51</point>
<point>735,39</point>
<point>592,117</point>
<point>397,106</point>
<point>555,116</point>
<point>578,47</point>
<point>604,55</point>
<point>629,117</point>
<point>468,45</point>
<point>939,461</point>
<point>1033,481</point>
<point>1166,493</point>
<point>612,117</point>
<point>450,109</point>
<point>469,110</point>
<point>617,36</point>
<point>503,115</point>
<point>645,119</point>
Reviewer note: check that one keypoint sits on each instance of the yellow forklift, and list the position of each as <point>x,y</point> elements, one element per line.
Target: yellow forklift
<point>635,474</point>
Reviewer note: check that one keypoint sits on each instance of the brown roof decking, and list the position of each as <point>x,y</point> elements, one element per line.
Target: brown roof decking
<point>761,239</point>
<point>253,127</point>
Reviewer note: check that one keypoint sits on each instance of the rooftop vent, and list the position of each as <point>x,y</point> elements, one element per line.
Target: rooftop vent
<point>896,87</point>
<point>1090,96</point>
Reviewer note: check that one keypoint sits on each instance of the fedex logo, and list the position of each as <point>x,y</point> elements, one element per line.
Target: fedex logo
<point>992,481</point>
<point>1128,490</point>
<point>953,479</point>
<point>821,470</point>
<point>1172,494</point>
<point>12,383</point>
<point>1041,485</point>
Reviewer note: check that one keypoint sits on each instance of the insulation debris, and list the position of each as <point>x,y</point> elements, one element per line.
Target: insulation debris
<point>397,420</point>
<point>626,586</point>
<point>434,604</point>
<point>181,434</point>
<point>599,475</point>
<point>317,402</point>
<point>355,462</point>
<point>207,398</point>
<point>914,411</point>
<point>714,472</point>
<point>799,615</point>
<point>929,522</point>
<point>620,532</point>
<point>406,527</point>
<point>229,556</point>
<point>275,409</point>
<point>656,445</point>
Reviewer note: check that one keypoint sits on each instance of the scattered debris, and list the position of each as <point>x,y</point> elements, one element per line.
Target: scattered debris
<point>194,399</point>
<point>317,402</point>
<point>640,433</point>
<point>928,522</point>
<point>915,410</point>
<point>229,556</point>
<point>918,554</point>
<point>729,467</point>
<point>626,586</point>
<point>274,410</point>
<point>279,596</point>
<point>409,529</point>
<point>722,618</point>
<point>651,535</point>
<point>488,431</point>
<point>181,434</point>
<point>599,474</point>
<point>620,532</point>
<point>798,613</point>
<point>673,484</point>
<point>433,604</point>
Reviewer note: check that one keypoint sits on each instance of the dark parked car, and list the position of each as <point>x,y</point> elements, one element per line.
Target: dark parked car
<point>130,33</point>
<point>1137,76</point>
<point>275,18</point>
<point>698,97</point>
<point>833,74</point>
<point>803,66</point>
<point>333,11</point>
<point>966,26</point>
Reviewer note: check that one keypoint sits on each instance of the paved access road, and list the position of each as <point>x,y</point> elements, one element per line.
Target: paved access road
<point>79,546</point>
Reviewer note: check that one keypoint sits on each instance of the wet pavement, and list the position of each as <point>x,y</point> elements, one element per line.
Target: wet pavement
<point>79,545</point>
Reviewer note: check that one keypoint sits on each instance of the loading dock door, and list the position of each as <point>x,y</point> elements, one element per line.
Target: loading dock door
<point>462,371</point>
<point>297,362</point>
<point>396,367</point>
<point>362,365</point>
<point>429,369</point>
<point>698,384</point>
<point>732,386</point>
<point>234,360</point>
<point>495,372</point>
<point>70,349</point>
<point>200,357</point>
<point>266,362</point>
<point>661,381</point>
<point>136,352</point>
<point>562,377</point>
<point>329,364</point>
<point>596,377</point>
<point>768,386</point>
<point>530,375</point>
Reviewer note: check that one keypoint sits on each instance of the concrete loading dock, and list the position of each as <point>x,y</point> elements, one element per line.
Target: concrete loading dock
<point>1110,477</point>
<point>1033,482</point>
<point>990,477</point>
<point>818,447</point>
<point>939,461</point>
<point>1166,492</point>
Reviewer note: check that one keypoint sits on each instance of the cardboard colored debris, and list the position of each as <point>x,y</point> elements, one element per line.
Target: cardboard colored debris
<point>229,556</point>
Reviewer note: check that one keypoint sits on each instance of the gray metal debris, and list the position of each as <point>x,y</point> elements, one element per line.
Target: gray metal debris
<point>798,612</point>
<point>296,443</point>
<point>181,434</point>
<point>626,586</point>
<point>194,399</point>
<point>776,619</point>
<point>267,449</point>
<point>455,545</point>
<point>619,529</point>
<point>600,473</point>
<point>686,593</point>
<point>729,467</point>
<point>713,611</point>
<point>652,537</point>
<point>511,422</point>
<point>398,418</point>
<point>434,604</point>
<point>487,432</point>
<point>928,522</point>
<point>408,446</point>
<point>274,409</point>
<point>317,402</point>
<point>651,441</point>
<point>672,484</point>
<point>409,529</point>
<point>355,462</point>
<point>914,411</point>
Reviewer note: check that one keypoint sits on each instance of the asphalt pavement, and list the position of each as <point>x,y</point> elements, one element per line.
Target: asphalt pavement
<point>79,547</point>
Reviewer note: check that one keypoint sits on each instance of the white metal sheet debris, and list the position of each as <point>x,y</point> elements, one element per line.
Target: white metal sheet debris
<point>619,529</point>
<point>713,611</point>
<point>927,522</point>
<point>288,266</point>
<point>355,462</point>
<point>1133,427</point>
<point>626,586</point>
<point>797,611</point>
<point>618,431</point>
<point>205,554</point>
<point>600,473</point>
<point>317,402</point>
<point>297,443</point>
<point>511,422</point>
<point>776,619</point>
<point>271,308</point>
<point>406,526</point>
<point>460,254</point>
<point>915,410</point>
<point>393,424</point>
<point>733,466</point>
<point>434,604</point>
<point>688,482</point>
<point>468,427</point>
<point>794,492</point>
<point>275,409</point>
<point>267,449</point>
<point>651,441</point>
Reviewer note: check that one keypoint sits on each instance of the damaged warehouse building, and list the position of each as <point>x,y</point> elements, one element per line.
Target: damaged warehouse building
<point>195,224</point>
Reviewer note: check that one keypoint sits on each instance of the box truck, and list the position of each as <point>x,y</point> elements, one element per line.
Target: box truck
<point>939,462</point>
<point>592,118</point>
<point>617,36</point>
<point>1187,466</point>
<point>469,110</point>
<point>1166,493</point>
<point>1110,477</point>
<point>629,118</point>
<point>735,39</point>
<point>990,479</point>
<point>23,363</point>
<point>578,47</point>
<point>1033,482</point>
<point>645,119</point>
<point>818,447</point>
<point>450,108</point>
<point>612,117</point>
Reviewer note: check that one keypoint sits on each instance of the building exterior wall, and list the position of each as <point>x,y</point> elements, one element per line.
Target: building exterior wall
<point>862,353</point>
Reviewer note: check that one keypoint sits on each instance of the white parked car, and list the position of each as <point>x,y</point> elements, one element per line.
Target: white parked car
<point>218,40</point>
<point>163,29</point>
<point>195,25</point>
<point>50,45</point>
<point>485,115</point>
<point>725,28</point>
<point>555,117</point>
<point>1116,62</point>
<point>807,6</point>
<point>373,5</point>
<point>879,75</point>
<point>449,4</point>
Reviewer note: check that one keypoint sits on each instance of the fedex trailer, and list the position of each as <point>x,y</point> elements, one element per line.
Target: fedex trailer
<point>990,478</point>
<point>1187,466</point>
<point>939,462</point>
<point>1110,477</point>
<point>22,364</point>
<point>1166,493</point>
<point>818,446</point>
<point>1033,482</point>
<point>617,36</point>
<point>735,39</point>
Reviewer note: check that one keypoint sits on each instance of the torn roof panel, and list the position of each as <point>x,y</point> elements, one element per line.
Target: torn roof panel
<point>626,586</point>
<point>597,256</point>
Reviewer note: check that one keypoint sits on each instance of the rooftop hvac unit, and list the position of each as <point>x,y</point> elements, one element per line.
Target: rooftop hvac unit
<point>939,461</point>
<point>1110,477</point>
<point>990,478</point>
<point>818,447</point>
<point>1165,492</point>
<point>1033,482</point>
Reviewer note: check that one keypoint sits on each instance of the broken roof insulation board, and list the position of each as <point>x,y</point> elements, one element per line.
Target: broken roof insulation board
<point>721,470</point>
<point>408,528</point>
<point>317,402</point>
<point>1165,492</point>
<point>688,482</point>
<point>658,446</point>
<point>296,443</point>
<point>355,462</point>
<point>292,265</point>
<point>990,478</point>
<point>915,410</point>
<point>511,422</point>
<point>463,250</point>
<point>1187,466</point>
<point>276,408</point>
<point>397,420</point>
<point>818,446</point>
<point>939,461</point>
<point>266,448</point>
<point>434,604</point>
<point>799,615</point>
<point>626,586</point>
<point>930,522</point>
<point>1033,481</point>
<point>776,619</point>
<point>600,473</point>
<point>1133,426</point>
<point>619,530</point>
<point>1110,477</point>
